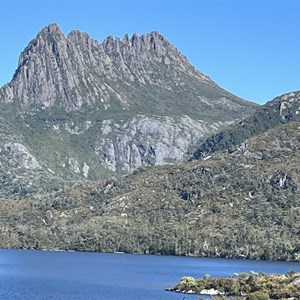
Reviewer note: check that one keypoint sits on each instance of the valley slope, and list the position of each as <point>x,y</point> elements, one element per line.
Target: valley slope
<point>241,203</point>
<point>281,110</point>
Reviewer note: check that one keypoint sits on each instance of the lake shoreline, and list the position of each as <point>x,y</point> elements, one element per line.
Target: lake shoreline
<point>150,254</point>
<point>35,274</point>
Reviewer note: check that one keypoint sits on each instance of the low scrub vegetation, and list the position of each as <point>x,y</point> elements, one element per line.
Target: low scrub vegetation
<point>253,286</point>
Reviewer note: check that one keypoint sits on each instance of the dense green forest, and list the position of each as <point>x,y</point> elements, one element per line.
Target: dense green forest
<point>243,202</point>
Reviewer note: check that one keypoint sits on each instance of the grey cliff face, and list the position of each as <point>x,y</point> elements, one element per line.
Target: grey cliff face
<point>149,141</point>
<point>123,146</point>
<point>144,73</point>
<point>48,67</point>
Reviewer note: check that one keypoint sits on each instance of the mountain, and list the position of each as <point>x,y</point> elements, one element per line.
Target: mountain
<point>145,74</point>
<point>281,110</point>
<point>242,203</point>
<point>79,109</point>
<point>78,112</point>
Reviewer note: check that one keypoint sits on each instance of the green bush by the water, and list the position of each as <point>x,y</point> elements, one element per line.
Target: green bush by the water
<point>253,286</point>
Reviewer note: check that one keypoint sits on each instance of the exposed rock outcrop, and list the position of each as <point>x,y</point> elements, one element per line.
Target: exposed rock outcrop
<point>148,141</point>
<point>144,74</point>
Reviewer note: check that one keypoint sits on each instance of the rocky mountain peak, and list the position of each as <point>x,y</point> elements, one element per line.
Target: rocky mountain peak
<point>156,42</point>
<point>126,39</point>
<point>52,28</point>
<point>49,36</point>
<point>109,43</point>
<point>143,73</point>
<point>77,36</point>
<point>152,44</point>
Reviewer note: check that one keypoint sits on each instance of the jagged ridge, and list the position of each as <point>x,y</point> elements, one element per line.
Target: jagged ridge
<point>144,74</point>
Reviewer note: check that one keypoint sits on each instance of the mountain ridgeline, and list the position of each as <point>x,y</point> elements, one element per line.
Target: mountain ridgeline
<point>283,109</point>
<point>145,74</point>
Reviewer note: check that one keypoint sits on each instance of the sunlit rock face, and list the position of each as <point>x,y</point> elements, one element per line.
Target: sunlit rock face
<point>143,73</point>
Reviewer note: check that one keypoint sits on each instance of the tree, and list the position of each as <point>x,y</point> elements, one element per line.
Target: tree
<point>186,283</point>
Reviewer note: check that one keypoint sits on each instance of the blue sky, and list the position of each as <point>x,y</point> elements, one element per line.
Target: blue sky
<point>249,47</point>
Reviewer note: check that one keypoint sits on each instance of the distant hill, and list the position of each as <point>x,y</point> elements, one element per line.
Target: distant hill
<point>281,110</point>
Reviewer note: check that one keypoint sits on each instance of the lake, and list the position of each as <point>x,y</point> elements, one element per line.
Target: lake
<point>41,275</point>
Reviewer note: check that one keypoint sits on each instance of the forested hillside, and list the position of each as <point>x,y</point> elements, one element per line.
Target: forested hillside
<point>243,202</point>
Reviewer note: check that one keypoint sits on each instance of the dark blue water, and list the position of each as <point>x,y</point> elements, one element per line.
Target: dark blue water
<point>69,275</point>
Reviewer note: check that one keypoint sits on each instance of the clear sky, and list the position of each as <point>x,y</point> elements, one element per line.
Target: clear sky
<point>249,47</point>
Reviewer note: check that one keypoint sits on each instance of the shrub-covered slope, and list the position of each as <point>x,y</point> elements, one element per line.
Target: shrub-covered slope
<point>281,110</point>
<point>238,203</point>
